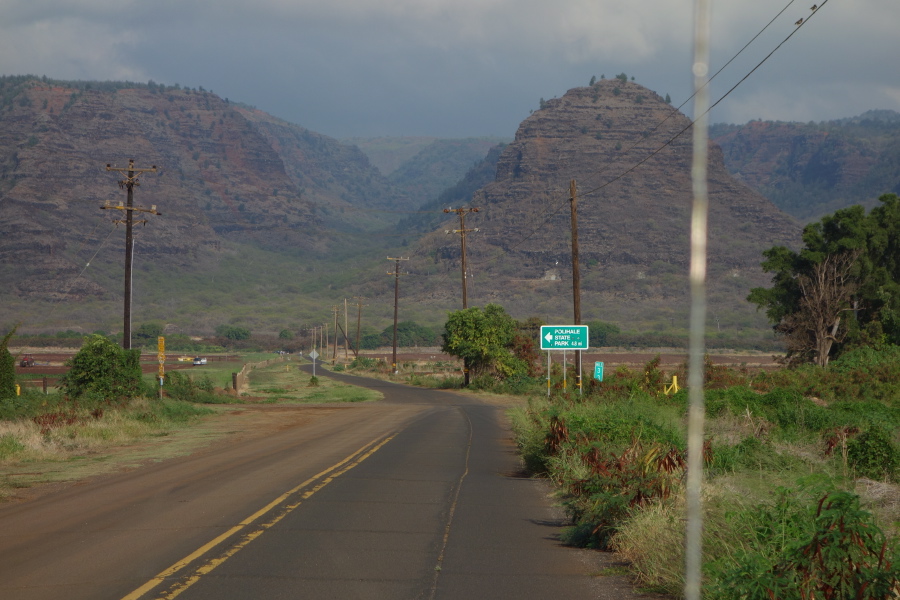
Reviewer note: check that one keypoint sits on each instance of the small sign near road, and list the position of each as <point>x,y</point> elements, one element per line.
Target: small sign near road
<point>564,337</point>
<point>598,371</point>
<point>314,355</point>
<point>161,355</point>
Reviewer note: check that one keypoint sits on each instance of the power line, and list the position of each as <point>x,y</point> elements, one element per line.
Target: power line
<point>553,209</point>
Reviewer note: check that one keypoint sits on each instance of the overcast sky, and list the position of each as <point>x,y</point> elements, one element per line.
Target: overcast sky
<point>458,68</point>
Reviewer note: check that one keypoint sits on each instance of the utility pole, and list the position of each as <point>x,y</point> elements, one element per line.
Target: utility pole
<point>346,341</point>
<point>576,271</point>
<point>335,309</point>
<point>396,274</point>
<point>129,183</point>
<point>462,231</point>
<point>359,307</point>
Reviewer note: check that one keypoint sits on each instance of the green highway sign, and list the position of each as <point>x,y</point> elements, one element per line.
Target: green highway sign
<point>564,337</point>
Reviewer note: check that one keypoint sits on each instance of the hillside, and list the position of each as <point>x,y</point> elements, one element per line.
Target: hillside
<point>227,174</point>
<point>813,169</point>
<point>267,225</point>
<point>633,230</point>
<point>422,168</point>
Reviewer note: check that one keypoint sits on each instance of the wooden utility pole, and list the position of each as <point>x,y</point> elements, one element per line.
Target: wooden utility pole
<point>462,231</point>
<point>335,309</point>
<point>359,307</point>
<point>129,183</point>
<point>576,271</point>
<point>346,341</point>
<point>396,274</point>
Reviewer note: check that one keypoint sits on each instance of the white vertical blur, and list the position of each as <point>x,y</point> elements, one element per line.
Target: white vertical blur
<point>693,542</point>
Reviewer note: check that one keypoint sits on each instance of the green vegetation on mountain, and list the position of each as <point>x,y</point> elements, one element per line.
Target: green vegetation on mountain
<point>811,169</point>
<point>431,214</point>
<point>438,167</point>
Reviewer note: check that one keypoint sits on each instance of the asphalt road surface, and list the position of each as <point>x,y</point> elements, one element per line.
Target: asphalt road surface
<point>418,496</point>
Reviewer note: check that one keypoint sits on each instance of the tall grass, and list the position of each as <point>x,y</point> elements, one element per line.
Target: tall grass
<point>781,449</point>
<point>68,429</point>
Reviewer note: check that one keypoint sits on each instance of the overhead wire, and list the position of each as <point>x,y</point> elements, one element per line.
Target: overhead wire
<point>553,209</point>
<point>675,110</point>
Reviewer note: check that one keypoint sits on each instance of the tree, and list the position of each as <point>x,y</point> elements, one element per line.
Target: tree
<point>147,334</point>
<point>104,370</point>
<point>602,333</point>
<point>593,79</point>
<point>482,338</point>
<point>842,289</point>
<point>233,333</point>
<point>410,333</point>
<point>7,367</point>
<point>825,296</point>
<point>285,334</point>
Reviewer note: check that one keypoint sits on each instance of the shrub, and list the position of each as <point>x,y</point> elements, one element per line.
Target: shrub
<point>181,387</point>
<point>873,455</point>
<point>835,552</point>
<point>363,363</point>
<point>9,446</point>
<point>7,368</point>
<point>104,371</point>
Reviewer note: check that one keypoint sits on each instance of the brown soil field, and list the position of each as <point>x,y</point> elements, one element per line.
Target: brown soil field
<point>611,358</point>
<point>53,363</point>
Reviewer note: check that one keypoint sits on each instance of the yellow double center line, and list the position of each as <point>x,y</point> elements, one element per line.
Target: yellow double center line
<point>193,575</point>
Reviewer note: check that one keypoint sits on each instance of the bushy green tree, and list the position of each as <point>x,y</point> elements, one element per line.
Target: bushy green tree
<point>103,370</point>
<point>7,368</point>
<point>483,339</point>
<point>231,332</point>
<point>602,333</point>
<point>409,334</point>
<point>842,289</point>
<point>147,334</point>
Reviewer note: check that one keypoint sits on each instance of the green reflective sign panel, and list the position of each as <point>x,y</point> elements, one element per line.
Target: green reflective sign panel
<point>564,337</point>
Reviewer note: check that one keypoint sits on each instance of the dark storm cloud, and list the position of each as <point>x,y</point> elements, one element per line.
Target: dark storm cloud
<point>458,67</point>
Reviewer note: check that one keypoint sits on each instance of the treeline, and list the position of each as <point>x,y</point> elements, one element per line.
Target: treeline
<point>409,335</point>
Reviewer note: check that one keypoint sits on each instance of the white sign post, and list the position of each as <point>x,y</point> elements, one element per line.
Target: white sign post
<point>563,337</point>
<point>314,355</point>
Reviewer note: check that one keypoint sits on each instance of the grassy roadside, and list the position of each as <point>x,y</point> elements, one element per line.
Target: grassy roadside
<point>47,438</point>
<point>287,383</point>
<point>801,479</point>
<point>70,443</point>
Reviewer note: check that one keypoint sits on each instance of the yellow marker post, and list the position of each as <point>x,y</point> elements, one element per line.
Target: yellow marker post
<point>673,387</point>
<point>161,354</point>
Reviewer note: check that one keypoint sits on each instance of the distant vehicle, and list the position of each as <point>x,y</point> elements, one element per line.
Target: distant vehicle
<point>27,361</point>
<point>199,361</point>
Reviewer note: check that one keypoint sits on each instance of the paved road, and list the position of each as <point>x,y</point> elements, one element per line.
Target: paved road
<point>418,496</point>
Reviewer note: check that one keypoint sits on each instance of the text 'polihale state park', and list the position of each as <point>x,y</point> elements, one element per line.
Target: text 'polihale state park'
<point>564,337</point>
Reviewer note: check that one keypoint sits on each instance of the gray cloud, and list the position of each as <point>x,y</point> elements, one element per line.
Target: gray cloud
<point>458,67</point>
